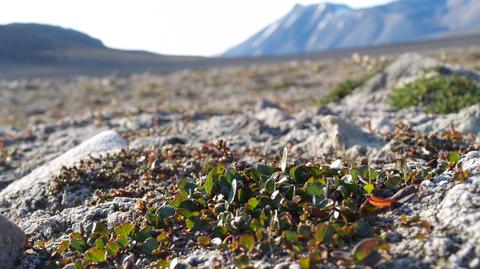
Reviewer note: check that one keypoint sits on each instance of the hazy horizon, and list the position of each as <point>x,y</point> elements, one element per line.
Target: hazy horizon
<point>184,27</point>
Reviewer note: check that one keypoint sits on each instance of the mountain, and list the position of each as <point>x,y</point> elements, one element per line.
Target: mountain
<point>29,41</point>
<point>326,26</point>
<point>28,49</point>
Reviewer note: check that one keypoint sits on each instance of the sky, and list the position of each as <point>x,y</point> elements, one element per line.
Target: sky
<point>181,27</point>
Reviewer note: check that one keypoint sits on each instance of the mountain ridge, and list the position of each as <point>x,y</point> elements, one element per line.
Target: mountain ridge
<point>28,41</point>
<point>326,26</point>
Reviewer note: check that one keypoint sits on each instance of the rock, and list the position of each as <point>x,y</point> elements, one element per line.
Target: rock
<point>12,239</point>
<point>265,103</point>
<point>272,116</point>
<point>152,142</point>
<point>43,225</point>
<point>451,208</point>
<point>373,94</point>
<point>466,121</point>
<point>439,246</point>
<point>27,193</point>
<point>382,125</point>
<point>345,135</point>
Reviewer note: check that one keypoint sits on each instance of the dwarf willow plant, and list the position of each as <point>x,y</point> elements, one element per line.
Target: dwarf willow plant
<point>308,211</point>
<point>439,94</point>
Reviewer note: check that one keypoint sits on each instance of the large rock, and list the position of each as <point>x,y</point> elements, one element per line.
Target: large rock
<point>27,194</point>
<point>12,239</point>
<point>466,121</point>
<point>346,136</point>
<point>377,90</point>
<point>337,137</point>
<point>451,208</point>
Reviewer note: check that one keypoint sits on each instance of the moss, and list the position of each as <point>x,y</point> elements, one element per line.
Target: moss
<point>347,86</point>
<point>440,94</point>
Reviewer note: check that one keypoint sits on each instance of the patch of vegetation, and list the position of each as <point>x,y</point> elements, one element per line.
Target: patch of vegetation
<point>316,213</point>
<point>347,86</point>
<point>409,144</point>
<point>439,94</point>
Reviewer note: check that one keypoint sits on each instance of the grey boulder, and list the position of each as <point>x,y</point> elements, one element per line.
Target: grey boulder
<point>12,239</point>
<point>22,195</point>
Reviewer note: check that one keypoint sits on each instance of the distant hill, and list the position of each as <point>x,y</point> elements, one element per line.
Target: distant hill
<point>323,26</point>
<point>56,47</point>
<point>28,42</point>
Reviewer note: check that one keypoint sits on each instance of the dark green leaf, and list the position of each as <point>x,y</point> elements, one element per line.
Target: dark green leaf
<point>78,244</point>
<point>100,230</point>
<point>150,245</point>
<point>290,236</point>
<point>166,211</point>
<point>270,185</point>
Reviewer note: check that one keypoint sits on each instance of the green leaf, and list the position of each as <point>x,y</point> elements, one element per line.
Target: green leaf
<point>392,182</point>
<point>190,224</point>
<point>290,236</point>
<point>300,174</point>
<point>100,242</point>
<point>122,241</point>
<point>369,188</point>
<point>112,248</point>
<point>166,211</point>
<point>305,263</point>
<point>270,185</point>
<point>209,183</point>
<point>252,203</point>
<point>184,212</point>
<point>95,255</point>
<point>241,261</point>
<point>323,233</point>
<point>283,163</point>
<point>247,241</point>
<point>78,244</point>
<point>150,245</point>
<point>124,229</point>
<point>143,234</point>
<point>186,185</point>
<point>100,230</point>
<point>454,157</point>
<point>78,264</point>
<point>314,189</point>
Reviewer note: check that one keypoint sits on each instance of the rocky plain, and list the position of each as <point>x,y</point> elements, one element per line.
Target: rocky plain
<point>86,156</point>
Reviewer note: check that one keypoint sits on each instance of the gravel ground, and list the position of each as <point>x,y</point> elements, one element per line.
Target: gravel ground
<point>258,110</point>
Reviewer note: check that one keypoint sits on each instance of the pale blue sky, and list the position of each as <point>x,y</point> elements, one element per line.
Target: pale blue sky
<point>195,27</point>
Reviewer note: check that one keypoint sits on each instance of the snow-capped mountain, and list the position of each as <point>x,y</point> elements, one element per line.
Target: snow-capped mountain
<point>329,26</point>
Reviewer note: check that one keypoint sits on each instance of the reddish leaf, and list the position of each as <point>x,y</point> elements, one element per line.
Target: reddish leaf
<point>318,213</point>
<point>381,202</point>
